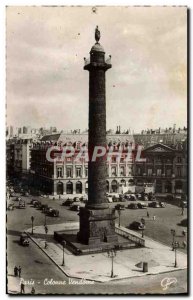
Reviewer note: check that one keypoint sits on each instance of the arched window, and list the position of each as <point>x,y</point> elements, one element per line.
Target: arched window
<point>114,186</point>
<point>107,186</point>
<point>178,186</point>
<point>69,187</point>
<point>123,182</point>
<point>60,188</point>
<point>79,187</point>
<point>168,187</point>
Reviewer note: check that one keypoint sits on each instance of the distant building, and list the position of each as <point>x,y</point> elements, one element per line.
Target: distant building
<point>165,169</point>
<point>18,156</point>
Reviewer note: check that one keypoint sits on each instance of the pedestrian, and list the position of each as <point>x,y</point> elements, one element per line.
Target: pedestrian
<point>153,218</point>
<point>143,221</point>
<point>46,229</point>
<point>184,233</point>
<point>22,287</point>
<point>147,214</point>
<point>19,271</point>
<point>33,290</point>
<point>15,271</point>
<point>184,244</point>
<point>46,245</point>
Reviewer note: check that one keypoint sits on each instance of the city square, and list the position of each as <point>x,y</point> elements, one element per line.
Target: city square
<point>97,210</point>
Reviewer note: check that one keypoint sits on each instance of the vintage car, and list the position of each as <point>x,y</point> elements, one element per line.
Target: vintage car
<point>132,206</point>
<point>162,204</point>
<point>21,204</point>
<point>24,241</point>
<point>67,202</point>
<point>17,198</point>
<point>37,204</point>
<point>53,212</point>
<point>136,225</point>
<point>120,207</point>
<point>84,198</point>
<point>44,207</point>
<point>142,205</point>
<point>32,201</point>
<point>154,204</point>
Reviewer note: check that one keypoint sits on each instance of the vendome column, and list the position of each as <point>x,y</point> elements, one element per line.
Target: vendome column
<point>97,220</point>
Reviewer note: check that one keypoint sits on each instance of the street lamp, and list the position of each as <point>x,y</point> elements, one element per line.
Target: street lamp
<point>173,232</point>
<point>112,254</point>
<point>176,245</point>
<point>63,245</point>
<point>32,221</point>
<point>119,213</point>
<point>142,228</point>
<point>45,220</point>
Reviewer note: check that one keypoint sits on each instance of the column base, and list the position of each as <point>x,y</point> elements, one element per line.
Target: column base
<point>97,226</point>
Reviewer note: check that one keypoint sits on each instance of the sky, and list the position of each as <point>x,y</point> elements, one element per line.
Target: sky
<point>47,86</point>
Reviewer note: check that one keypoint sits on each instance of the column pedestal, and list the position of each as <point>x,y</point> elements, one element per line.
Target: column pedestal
<point>97,226</point>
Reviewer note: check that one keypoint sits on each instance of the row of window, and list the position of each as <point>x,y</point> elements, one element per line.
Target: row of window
<point>69,172</point>
<point>140,171</point>
<point>168,172</point>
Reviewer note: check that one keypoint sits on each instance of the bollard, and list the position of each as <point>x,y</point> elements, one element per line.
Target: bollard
<point>145,267</point>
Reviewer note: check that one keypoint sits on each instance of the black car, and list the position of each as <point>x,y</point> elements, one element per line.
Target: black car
<point>120,207</point>
<point>142,205</point>
<point>133,206</point>
<point>24,241</point>
<point>67,202</point>
<point>44,207</point>
<point>154,204</point>
<point>53,213</point>
<point>136,225</point>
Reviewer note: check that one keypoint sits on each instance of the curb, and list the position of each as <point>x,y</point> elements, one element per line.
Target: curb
<point>57,265</point>
<point>95,280</point>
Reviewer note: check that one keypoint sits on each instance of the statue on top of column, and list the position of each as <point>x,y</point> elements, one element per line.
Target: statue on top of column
<point>97,34</point>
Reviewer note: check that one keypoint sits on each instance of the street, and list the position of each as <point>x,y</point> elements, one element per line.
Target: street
<point>37,266</point>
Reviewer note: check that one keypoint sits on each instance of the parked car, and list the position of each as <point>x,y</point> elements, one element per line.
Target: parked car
<point>24,241</point>
<point>142,205</point>
<point>17,198</point>
<point>136,225</point>
<point>183,204</point>
<point>21,204</point>
<point>154,204</point>
<point>140,196</point>
<point>67,202</point>
<point>131,197</point>
<point>76,199</point>
<point>75,206</point>
<point>132,206</point>
<point>162,204</point>
<point>122,198</point>
<point>26,194</point>
<point>120,207</point>
<point>37,204</point>
<point>84,198</point>
<point>47,210</point>
<point>53,213</point>
<point>32,201</point>
<point>115,198</point>
<point>44,207</point>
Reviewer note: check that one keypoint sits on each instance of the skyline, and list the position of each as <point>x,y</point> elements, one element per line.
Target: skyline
<point>148,48</point>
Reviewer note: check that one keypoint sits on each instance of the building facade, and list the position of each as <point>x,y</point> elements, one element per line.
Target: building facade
<point>162,169</point>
